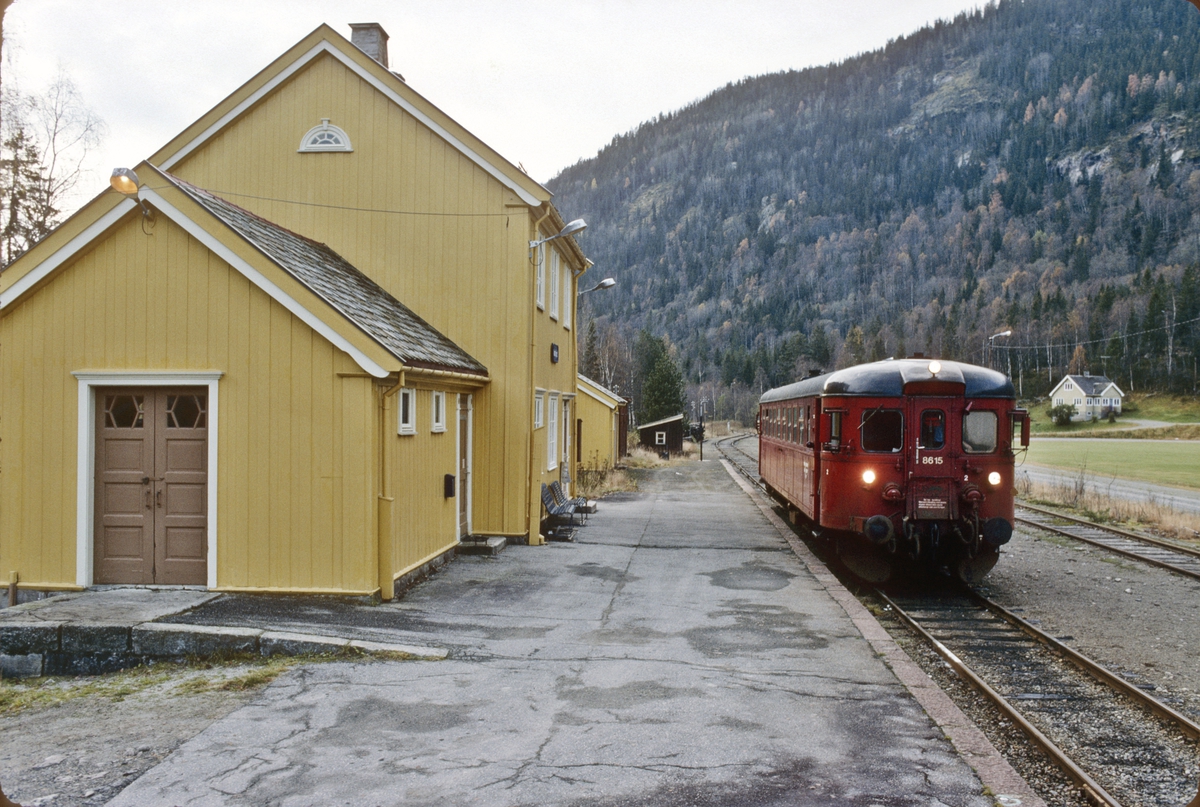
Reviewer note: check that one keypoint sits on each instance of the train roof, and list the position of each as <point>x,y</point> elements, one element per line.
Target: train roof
<point>889,378</point>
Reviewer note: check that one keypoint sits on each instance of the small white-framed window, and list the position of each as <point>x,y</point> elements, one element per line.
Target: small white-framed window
<point>554,272</point>
<point>539,410</point>
<point>1058,401</point>
<point>568,301</point>
<point>552,435</point>
<point>1078,401</point>
<point>325,137</point>
<point>541,276</point>
<point>438,414</point>
<point>660,438</point>
<point>407,412</point>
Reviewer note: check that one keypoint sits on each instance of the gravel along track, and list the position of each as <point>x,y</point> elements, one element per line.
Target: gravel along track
<point>1138,758</point>
<point>1181,560</point>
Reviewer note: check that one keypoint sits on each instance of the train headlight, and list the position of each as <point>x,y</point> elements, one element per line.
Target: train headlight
<point>994,478</point>
<point>935,367</point>
<point>869,477</point>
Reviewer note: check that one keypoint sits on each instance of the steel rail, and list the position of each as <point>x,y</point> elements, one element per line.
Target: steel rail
<point>1093,668</point>
<point>1090,786</point>
<point>1145,539</point>
<point>1162,564</point>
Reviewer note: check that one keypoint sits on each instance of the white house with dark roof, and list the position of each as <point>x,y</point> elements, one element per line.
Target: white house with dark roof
<point>1094,396</point>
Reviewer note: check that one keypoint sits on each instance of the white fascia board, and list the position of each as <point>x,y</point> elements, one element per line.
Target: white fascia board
<point>258,279</point>
<point>596,397</point>
<point>66,252</point>
<point>324,46</point>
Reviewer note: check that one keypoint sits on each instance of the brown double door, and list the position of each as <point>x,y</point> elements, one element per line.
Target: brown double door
<point>151,524</point>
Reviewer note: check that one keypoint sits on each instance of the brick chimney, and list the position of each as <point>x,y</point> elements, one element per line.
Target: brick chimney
<point>371,39</point>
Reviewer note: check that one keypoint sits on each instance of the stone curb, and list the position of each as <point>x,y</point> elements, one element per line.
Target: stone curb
<point>30,651</point>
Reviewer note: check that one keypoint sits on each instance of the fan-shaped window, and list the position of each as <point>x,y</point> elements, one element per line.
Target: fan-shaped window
<point>325,137</point>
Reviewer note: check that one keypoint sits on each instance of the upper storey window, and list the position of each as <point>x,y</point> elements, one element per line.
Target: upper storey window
<point>325,137</point>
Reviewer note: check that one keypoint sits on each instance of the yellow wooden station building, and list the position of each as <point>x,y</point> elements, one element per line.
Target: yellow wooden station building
<point>310,345</point>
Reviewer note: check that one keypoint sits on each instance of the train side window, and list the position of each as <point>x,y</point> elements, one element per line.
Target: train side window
<point>792,423</point>
<point>835,429</point>
<point>883,430</point>
<point>933,429</point>
<point>979,432</point>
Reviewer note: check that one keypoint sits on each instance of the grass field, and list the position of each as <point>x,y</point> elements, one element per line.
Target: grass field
<point>1166,463</point>
<point>1169,408</point>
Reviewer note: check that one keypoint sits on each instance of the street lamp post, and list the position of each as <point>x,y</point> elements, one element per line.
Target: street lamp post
<point>992,339</point>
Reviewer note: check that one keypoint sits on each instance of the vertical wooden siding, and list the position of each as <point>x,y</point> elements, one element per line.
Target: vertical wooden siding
<point>424,522</point>
<point>296,471</point>
<point>383,207</point>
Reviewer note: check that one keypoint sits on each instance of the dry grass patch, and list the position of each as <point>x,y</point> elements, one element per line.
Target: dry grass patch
<point>1074,493</point>
<point>234,674</point>
<point>597,484</point>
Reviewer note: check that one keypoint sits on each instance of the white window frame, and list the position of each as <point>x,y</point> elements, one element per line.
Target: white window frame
<point>437,413</point>
<point>539,410</point>
<point>568,298</point>
<point>1069,385</point>
<point>541,277</point>
<point>552,434</point>
<point>336,138</point>
<point>1058,401</point>
<point>660,438</point>
<point>554,281</point>
<point>566,430</point>
<point>406,399</point>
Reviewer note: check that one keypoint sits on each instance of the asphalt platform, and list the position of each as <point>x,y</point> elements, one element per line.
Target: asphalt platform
<point>685,649</point>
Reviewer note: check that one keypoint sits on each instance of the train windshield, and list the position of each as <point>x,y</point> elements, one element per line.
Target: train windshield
<point>933,429</point>
<point>883,430</point>
<point>979,433</point>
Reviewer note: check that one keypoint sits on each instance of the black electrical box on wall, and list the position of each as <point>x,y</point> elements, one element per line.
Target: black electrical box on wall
<point>448,486</point>
<point>554,353</point>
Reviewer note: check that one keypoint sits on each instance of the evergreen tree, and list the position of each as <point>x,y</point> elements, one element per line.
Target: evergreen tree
<point>590,366</point>
<point>662,393</point>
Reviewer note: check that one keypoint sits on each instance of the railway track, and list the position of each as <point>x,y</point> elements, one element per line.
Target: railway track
<point>1181,560</point>
<point>1119,744</point>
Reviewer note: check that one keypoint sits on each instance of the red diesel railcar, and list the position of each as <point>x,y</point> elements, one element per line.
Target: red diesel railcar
<point>907,464</point>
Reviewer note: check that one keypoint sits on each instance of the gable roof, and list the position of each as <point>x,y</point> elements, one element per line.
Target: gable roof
<point>1089,385</point>
<point>313,282</point>
<point>671,419</point>
<point>354,295</point>
<point>593,390</point>
<point>324,40</point>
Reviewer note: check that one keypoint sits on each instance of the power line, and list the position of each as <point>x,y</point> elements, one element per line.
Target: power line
<point>1097,341</point>
<point>348,207</point>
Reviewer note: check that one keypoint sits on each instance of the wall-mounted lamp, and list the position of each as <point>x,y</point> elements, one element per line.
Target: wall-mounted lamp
<point>572,227</point>
<point>606,283</point>
<point>125,182</point>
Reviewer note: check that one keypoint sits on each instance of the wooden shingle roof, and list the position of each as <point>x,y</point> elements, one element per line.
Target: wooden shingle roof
<point>359,299</point>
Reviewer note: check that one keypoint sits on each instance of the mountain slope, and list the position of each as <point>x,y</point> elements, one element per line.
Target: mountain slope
<point>1032,166</point>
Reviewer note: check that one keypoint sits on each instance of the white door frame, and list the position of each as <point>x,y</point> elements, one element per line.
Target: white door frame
<point>463,487</point>
<point>85,497</point>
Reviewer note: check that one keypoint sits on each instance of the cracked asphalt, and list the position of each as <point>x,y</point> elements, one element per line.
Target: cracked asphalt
<point>678,653</point>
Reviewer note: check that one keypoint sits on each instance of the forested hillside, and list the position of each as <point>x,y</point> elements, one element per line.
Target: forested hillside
<point>1034,166</point>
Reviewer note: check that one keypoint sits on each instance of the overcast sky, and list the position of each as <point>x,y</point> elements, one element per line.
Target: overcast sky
<point>544,83</point>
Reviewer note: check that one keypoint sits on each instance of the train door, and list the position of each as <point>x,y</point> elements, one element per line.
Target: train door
<point>931,474</point>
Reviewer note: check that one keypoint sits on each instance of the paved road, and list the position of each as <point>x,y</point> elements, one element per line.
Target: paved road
<point>677,654</point>
<point>1186,500</point>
